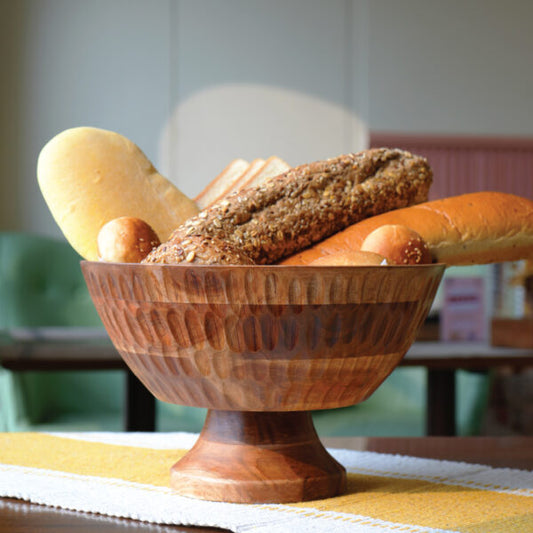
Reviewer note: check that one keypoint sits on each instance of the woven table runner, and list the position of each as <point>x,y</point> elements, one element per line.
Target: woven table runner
<point>127,475</point>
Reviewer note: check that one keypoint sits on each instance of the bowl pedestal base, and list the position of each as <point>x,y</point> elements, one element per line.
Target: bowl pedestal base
<point>258,457</point>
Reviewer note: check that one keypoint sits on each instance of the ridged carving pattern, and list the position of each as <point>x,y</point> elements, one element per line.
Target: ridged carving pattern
<point>262,338</point>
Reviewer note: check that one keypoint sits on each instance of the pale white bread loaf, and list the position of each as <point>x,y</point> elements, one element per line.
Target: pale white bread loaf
<point>476,228</point>
<point>89,176</point>
<point>221,183</point>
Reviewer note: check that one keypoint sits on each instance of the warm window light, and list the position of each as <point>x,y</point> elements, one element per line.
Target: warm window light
<point>212,127</point>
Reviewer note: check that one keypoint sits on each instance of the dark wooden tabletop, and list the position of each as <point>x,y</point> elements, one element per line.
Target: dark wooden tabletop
<point>466,355</point>
<point>515,452</point>
<point>90,348</point>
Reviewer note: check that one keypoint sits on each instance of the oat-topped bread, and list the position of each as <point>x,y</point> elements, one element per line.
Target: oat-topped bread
<point>201,249</point>
<point>306,204</point>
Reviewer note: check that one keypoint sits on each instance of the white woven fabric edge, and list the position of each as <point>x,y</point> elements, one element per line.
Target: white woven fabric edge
<point>153,440</point>
<point>475,476</point>
<point>118,498</point>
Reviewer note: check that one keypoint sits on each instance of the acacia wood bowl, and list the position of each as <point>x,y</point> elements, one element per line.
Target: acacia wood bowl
<point>261,347</point>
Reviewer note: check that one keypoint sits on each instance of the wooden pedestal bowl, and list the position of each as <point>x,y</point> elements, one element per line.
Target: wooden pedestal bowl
<point>261,347</point>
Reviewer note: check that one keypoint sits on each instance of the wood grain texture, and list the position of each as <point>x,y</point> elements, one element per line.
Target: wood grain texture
<point>262,338</point>
<point>254,457</point>
<point>512,332</point>
<point>260,347</point>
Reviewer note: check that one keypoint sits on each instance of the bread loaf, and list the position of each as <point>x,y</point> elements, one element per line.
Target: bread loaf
<point>238,175</point>
<point>235,185</point>
<point>273,166</point>
<point>204,250</point>
<point>89,176</point>
<point>350,258</point>
<point>221,183</point>
<point>306,204</point>
<point>476,228</point>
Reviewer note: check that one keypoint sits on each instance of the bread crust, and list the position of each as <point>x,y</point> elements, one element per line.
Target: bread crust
<point>203,250</point>
<point>89,176</point>
<point>399,244</point>
<point>126,240</point>
<point>476,228</point>
<point>351,258</point>
<point>217,187</point>
<point>308,203</point>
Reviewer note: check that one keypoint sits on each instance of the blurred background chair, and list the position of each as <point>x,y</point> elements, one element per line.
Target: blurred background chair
<point>41,285</point>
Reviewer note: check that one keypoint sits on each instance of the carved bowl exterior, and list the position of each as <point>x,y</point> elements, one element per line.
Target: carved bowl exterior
<point>262,338</point>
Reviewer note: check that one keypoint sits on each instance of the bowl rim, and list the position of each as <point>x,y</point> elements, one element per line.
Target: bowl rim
<point>103,264</point>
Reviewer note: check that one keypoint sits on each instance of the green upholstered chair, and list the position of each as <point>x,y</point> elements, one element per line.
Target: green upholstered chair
<point>41,284</point>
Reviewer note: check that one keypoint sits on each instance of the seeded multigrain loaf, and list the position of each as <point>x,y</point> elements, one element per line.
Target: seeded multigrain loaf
<point>306,204</point>
<point>204,250</point>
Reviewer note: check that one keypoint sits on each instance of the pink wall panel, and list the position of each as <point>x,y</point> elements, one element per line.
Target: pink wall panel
<point>468,164</point>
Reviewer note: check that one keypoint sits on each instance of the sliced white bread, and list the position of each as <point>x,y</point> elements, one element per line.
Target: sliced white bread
<point>273,166</point>
<point>221,183</point>
<point>252,169</point>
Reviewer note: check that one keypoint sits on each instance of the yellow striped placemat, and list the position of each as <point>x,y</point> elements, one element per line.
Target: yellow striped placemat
<point>127,475</point>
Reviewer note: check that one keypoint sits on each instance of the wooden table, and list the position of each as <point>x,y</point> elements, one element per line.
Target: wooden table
<point>442,360</point>
<point>87,348</point>
<point>515,452</point>
<point>43,349</point>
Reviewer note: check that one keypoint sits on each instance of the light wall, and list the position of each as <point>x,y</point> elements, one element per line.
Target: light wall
<point>196,83</point>
<point>100,63</point>
<point>451,66</point>
<point>254,79</point>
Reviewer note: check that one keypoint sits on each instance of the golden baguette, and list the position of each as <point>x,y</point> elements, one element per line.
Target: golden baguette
<point>475,228</point>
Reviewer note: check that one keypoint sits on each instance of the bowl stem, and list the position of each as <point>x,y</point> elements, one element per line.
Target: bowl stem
<point>258,457</point>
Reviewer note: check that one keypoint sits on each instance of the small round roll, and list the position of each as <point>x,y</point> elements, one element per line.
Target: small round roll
<point>350,258</point>
<point>399,244</point>
<point>126,240</point>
